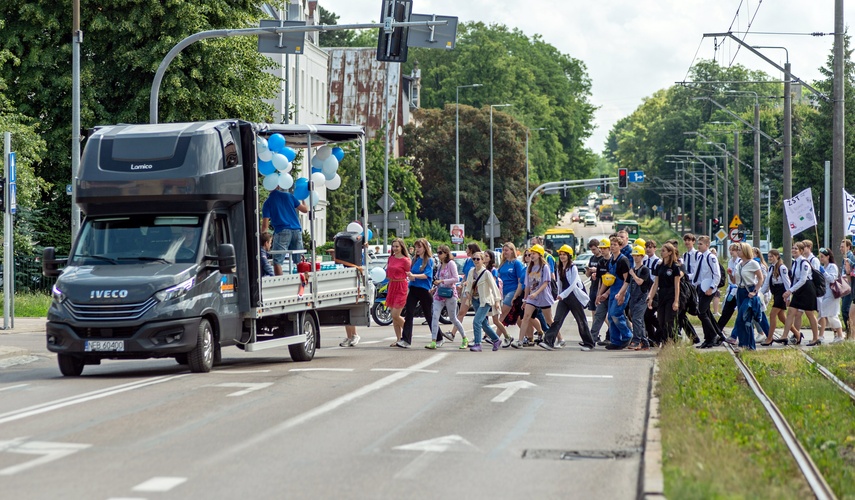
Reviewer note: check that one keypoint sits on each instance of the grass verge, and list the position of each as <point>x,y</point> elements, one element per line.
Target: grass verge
<point>29,305</point>
<point>717,440</point>
<point>820,414</point>
<point>839,359</point>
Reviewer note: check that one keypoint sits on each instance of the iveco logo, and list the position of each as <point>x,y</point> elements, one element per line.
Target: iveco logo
<point>108,294</point>
<point>142,166</point>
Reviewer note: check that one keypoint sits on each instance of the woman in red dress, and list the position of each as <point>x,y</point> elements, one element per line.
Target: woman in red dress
<point>396,294</point>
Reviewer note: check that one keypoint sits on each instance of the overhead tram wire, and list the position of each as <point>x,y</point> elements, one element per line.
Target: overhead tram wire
<point>748,29</point>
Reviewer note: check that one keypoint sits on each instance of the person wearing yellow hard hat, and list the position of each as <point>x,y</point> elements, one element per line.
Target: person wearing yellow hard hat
<point>639,242</point>
<point>571,299</point>
<point>639,286</point>
<point>620,334</point>
<point>537,292</point>
<point>597,267</point>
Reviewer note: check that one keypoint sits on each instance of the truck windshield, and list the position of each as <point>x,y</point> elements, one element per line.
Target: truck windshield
<point>137,239</point>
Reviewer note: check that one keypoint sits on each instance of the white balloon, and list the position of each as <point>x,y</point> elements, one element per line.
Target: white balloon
<point>377,274</point>
<point>334,183</point>
<point>324,152</point>
<point>281,162</point>
<point>354,227</point>
<point>317,162</point>
<point>286,181</point>
<point>271,181</point>
<point>330,167</point>
<point>319,180</point>
<point>261,143</point>
<point>314,197</point>
<point>265,154</point>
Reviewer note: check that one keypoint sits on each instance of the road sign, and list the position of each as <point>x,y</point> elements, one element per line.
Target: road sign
<point>69,190</point>
<point>734,235</point>
<point>636,176</point>
<point>432,37</point>
<point>282,43</point>
<point>721,234</point>
<point>386,201</point>
<point>13,184</point>
<point>735,222</point>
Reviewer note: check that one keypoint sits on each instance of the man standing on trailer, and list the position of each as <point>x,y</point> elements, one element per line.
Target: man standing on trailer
<point>281,208</point>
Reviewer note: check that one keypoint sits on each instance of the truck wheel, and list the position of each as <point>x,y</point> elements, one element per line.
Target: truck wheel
<point>309,331</point>
<point>70,366</point>
<point>381,314</point>
<point>443,317</point>
<point>201,358</point>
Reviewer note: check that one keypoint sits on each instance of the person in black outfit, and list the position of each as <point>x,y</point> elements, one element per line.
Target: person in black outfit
<point>651,324</point>
<point>667,283</point>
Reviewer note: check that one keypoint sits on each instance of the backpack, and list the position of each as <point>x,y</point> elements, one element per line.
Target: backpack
<point>818,280</point>
<point>721,279</point>
<point>688,296</point>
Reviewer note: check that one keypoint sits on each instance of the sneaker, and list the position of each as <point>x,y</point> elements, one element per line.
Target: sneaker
<point>403,344</point>
<point>731,341</point>
<point>546,345</point>
<point>475,348</point>
<point>516,344</point>
<point>507,342</point>
<point>837,340</point>
<point>432,345</point>
<point>603,342</point>
<point>354,340</point>
<point>497,344</point>
<point>538,339</point>
<point>465,343</point>
<point>448,336</point>
<point>587,348</point>
<point>440,342</point>
<point>561,343</point>
<point>759,337</point>
<point>345,343</point>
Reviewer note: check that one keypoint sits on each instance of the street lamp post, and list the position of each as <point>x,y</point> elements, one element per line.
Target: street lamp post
<point>527,133</point>
<point>457,150</point>
<point>490,220</point>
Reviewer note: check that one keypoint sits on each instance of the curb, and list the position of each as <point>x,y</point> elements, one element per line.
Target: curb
<point>654,482</point>
<point>12,352</point>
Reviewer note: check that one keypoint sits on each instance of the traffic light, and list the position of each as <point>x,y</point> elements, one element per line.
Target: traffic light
<point>392,47</point>
<point>716,224</point>
<point>622,180</point>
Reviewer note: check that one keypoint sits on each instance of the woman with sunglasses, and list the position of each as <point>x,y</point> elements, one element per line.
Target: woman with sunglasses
<point>481,287</point>
<point>396,293</point>
<point>538,294</point>
<point>445,295</point>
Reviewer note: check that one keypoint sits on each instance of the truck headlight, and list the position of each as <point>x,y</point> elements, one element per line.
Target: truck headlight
<point>57,294</point>
<point>175,291</point>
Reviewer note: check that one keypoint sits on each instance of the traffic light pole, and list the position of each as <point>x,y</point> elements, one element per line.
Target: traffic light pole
<point>599,181</point>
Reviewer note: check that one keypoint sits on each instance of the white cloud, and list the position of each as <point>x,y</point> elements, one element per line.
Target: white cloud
<point>634,47</point>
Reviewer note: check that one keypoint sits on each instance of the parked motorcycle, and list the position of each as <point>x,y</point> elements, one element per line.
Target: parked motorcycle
<point>383,315</point>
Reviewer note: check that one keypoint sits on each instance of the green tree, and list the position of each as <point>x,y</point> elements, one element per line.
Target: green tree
<point>124,44</point>
<point>344,38</point>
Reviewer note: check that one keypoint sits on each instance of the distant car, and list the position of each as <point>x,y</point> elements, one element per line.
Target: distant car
<point>590,220</point>
<point>607,214</point>
<point>575,217</point>
<point>581,262</point>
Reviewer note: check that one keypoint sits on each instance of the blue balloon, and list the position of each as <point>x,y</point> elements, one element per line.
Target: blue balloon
<point>316,170</point>
<point>266,167</point>
<point>339,154</point>
<point>289,153</point>
<point>301,188</point>
<point>275,143</point>
<point>370,232</point>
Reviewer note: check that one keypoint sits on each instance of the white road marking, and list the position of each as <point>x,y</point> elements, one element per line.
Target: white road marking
<point>430,449</point>
<point>247,387</point>
<point>574,375</point>
<point>49,452</point>
<point>160,484</point>
<point>12,387</point>
<point>240,371</point>
<point>494,373</point>
<point>371,341</point>
<point>321,370</point>
<point>81,398</point>
<point>510,388</point>
<point>311,415</point>
<point>402,370</point>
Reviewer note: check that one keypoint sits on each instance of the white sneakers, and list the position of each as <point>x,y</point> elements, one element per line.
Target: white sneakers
<point>349,342</point>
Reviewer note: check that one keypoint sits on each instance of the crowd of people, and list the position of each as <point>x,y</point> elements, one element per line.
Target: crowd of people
<point>642,294</point>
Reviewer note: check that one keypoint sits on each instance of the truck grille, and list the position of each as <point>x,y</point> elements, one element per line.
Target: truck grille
<point>109,312</point>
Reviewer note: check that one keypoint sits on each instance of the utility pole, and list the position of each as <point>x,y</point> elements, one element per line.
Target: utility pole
<point>736,172</point>
<point>756,214</point>
<point>788,158</point>
<point>838,160</point>
<point>77,40</point>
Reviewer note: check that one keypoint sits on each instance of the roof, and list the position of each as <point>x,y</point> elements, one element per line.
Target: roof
<point>298,135</point>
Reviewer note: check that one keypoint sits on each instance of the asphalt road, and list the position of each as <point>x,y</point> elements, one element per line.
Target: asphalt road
<point>363,422</point>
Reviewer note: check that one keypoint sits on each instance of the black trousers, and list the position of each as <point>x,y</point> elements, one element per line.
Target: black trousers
<point>570,304</point>
<point>651,324</point>
<point>684,324</point>
<point>666,315</point>
<point>705,315</point>
<point>416,295</point>
<point>726,313</point>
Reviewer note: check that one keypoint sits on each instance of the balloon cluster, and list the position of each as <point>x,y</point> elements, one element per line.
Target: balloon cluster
<point>274,163</point>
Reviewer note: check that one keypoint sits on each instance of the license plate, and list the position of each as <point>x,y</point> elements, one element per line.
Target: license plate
<point>104,345</point>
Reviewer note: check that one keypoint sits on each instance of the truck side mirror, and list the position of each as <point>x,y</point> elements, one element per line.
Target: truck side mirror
<point>50,264</point>
<point>226,258</point>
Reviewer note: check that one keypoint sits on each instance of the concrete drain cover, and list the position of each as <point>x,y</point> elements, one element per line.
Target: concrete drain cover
<point>581,454</point>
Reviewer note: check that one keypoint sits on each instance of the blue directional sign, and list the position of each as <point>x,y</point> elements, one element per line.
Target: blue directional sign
<point>636,176</point>
<point>13,184</point>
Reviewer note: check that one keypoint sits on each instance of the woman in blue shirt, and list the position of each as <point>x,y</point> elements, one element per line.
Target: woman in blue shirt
<point>512,274</point>
<point>421,281</point>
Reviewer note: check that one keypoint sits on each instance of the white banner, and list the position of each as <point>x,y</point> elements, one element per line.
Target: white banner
<point>800,214</point>
<point>848,213</point>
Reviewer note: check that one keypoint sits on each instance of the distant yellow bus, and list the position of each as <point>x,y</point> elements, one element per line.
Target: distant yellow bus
<point>555,238</point>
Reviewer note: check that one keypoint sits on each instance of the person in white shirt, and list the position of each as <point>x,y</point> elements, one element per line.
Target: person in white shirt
<point>829,305</point>
<point>748,279</point>
<point>730,295</point>
<point>813,260</point>
<point>651,322</point>
<point>777,282</point>
<point>705,278</point>
<point>801,295</point>
<point>690,257</point>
